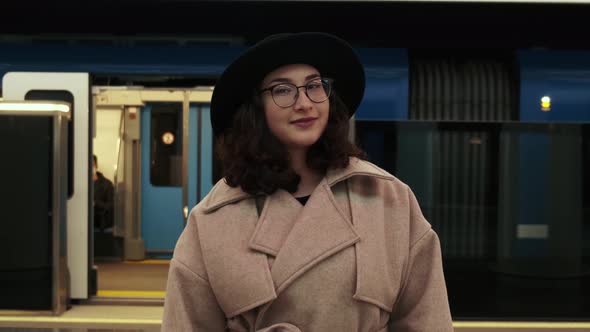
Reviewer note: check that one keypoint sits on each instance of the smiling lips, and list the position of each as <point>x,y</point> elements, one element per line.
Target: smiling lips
<point>304,122</point>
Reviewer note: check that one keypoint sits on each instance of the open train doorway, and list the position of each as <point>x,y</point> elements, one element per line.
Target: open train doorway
<point>155,146</point>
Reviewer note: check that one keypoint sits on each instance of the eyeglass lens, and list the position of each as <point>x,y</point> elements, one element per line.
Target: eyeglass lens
<point>285,95</point>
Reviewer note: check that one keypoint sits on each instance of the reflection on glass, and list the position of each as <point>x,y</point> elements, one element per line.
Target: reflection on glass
<point>510,203</point>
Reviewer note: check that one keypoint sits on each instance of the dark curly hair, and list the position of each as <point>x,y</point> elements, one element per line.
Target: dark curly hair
<point>254,159</point>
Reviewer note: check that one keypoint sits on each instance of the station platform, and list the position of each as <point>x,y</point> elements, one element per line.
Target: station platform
<point>102,317</point>
<point>106,318</point>
<point>130,298</point>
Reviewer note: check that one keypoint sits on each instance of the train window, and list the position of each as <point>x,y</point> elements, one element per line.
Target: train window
<point>510,203</point>
<point>166,145</point>
<point>66,96</point>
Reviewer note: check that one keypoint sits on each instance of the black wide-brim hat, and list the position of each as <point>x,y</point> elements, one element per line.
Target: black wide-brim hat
<point>330,55</point>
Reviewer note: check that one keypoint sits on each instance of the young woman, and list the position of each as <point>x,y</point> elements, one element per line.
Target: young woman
<point>302,234</point>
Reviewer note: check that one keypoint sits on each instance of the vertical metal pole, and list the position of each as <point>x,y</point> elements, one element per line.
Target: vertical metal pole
<point>136,185</point>
<point>185,146</point>
<point>59,184</point>
<point>118,218</point>
<point>56,214</point>
<point>199,150</point>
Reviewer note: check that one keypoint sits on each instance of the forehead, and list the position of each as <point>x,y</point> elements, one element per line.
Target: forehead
<point>293,72</point>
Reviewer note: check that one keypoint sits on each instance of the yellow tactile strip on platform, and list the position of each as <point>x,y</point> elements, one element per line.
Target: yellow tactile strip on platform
<point>131,293</point>
<point>150,261</point>
<point>462,326</point>
<point>94,316</point>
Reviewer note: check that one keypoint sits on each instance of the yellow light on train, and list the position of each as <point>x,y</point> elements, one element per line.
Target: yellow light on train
<point>546,104</point>
<point>35,107</point>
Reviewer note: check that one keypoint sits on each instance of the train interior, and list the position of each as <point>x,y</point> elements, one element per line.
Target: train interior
<point>139,144</point>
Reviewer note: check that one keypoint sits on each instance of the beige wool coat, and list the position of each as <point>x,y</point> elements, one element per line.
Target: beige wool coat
<point>359,256</point>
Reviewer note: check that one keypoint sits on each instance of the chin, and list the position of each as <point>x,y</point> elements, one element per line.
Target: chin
<point>303,143</point>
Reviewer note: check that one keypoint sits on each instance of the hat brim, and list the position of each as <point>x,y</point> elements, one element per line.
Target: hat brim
<point>330,55</point>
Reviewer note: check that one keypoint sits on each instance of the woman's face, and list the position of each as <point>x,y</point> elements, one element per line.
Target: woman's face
<point>301,124</point>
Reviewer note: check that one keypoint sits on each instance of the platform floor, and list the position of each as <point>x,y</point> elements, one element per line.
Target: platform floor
<point>132,279</point>
<point>98,318</point>
<point>119,280</point>
<point>147,279</point>
<point>103,317</point>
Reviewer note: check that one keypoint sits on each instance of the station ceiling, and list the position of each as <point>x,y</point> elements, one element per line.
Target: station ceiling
<point>438,24</point>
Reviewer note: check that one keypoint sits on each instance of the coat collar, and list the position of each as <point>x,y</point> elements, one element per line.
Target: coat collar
<point>222,194</point>
<point>354,168</point>
<point>298,238</point>
<point>302,236</point>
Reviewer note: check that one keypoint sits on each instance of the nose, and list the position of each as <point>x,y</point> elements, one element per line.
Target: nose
<point>302,101</point>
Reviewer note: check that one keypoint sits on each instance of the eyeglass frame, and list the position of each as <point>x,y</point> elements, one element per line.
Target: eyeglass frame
<point>329,80</point>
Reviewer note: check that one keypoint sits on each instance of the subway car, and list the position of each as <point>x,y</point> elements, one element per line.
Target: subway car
<point>494,142</point>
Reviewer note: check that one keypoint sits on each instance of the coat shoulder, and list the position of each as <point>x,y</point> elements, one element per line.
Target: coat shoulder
<point>220,195</point>
<point>396,196</point>
<point>375,176</point>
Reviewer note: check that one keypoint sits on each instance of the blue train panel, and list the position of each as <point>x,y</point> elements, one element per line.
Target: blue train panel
<point>562,76</point>
<point>563,79</point>
<point>206,158</point>
<point>207,61</point>
<point>386,94</point>
<point>533,176</point>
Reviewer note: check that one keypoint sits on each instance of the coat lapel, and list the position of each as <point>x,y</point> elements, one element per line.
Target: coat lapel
<point>239,276</point>
<point>320,230</point>
<point>274,225</point>
<point>377,282</point>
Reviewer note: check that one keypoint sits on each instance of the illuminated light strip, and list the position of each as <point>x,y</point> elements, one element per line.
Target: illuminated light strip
<point>537,325</point>
<point>120,293</point>
<point>35,107</point>
<point>150,261</point>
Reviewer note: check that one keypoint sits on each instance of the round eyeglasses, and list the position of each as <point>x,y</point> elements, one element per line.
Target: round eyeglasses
<point>285,94</point>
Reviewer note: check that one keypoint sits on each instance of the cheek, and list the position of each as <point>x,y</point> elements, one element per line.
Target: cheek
<point>273,117</point>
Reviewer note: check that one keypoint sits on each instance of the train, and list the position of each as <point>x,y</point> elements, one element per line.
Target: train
<point>495,144</point>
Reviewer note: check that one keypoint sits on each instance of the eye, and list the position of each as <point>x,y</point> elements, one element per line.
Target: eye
<point>282,90</point>
<point>314,85</point>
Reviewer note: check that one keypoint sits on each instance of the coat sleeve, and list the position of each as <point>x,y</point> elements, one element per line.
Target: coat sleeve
<point>190,304</point>
<point>422,304</point>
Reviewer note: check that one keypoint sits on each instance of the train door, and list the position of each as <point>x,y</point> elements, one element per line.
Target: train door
<point>75,89</point>
<point>168,190</point>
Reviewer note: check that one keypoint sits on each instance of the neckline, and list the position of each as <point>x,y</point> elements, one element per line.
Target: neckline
<point>302,199</point>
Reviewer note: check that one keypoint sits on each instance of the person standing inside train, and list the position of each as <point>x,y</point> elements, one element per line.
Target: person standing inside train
<point>103,199</point>
<point>302,234</point>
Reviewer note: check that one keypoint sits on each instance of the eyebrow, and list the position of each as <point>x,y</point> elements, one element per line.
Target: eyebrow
<point>287,80</point>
